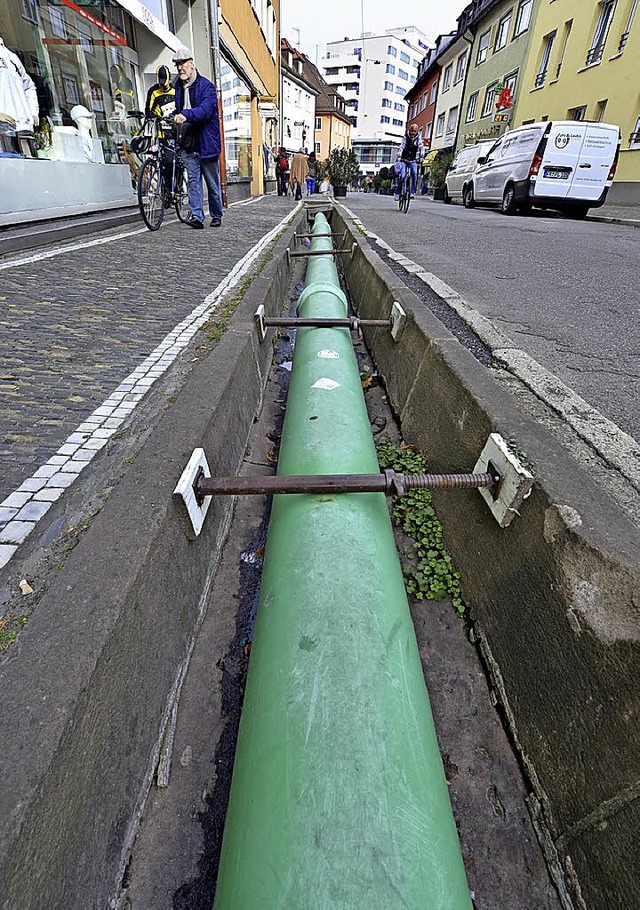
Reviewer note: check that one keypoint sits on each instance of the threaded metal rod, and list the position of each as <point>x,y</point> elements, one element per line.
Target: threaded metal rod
<point>388,482</point>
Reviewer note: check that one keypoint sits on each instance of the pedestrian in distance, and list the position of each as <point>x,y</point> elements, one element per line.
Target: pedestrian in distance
<point>282,171</point>
<point>312,169</point>
<point>410,154</point>
<point>199,138</point>
<point>299,171</point>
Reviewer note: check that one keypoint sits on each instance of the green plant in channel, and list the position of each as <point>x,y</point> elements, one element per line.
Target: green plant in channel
<point>428,570</point>
<point>342,166</point>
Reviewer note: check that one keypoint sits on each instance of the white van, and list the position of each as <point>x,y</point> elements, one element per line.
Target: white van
<point>462,167</point>
<point>566,165</point>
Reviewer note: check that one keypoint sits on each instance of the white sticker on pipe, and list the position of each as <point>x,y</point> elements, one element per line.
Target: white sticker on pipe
<point>327,384</point>
<point>329,355</point>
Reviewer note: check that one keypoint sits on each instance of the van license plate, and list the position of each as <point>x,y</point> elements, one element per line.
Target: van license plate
<point>555,172</point>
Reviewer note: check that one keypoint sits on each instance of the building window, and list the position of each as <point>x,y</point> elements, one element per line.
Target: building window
<point>502,33</point>
<point>472,107</point>
<point>317,148</point>
<point>332,70</point>
<point>388,86</point>
<point>461,67</point>
<point>400,90</point>
<point>634,138</point>
<point>544,60</point>
<point>416,63</point>
<point>446,82</point>
<point>398,107</point>
<point>440,125</point>
<point>405,57</point>
<point>625,35</point>
<point>602,106</point>
<point>434,92</point>
<point>318,123</point>
<point>385,119</point>
<point>391,50</point>
<point>523,17</point>
<point>578,113</point>
<point>596,50</point>
<point>391,69</point>
<point>510,82</point>
<point>353,121</point>
<point>483,47</point>
<point>29,10</point>
<point>489,100</point>
<point>398,122</point>
<point>353,70</point>
<point>386,102</point>
<point>567,32</point>
<point>452,122</point>
<point>402,74</point>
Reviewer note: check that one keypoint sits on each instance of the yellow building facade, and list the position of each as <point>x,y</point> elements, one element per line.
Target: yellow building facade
<point>583,64</point>
<point>250,51</point>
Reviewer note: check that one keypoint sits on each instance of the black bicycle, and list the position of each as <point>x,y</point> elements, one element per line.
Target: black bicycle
<point>162,181</point>
<point>404,196</point>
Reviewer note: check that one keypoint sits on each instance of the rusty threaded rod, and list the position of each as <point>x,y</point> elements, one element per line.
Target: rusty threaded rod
<point>388,482</point>
<point>324,321</point>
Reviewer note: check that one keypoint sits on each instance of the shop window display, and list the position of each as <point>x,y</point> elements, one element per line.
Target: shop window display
<point>236,102</point>
<point>84,72</point>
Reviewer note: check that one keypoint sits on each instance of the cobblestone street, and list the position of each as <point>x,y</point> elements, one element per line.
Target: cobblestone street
<point>75,325</point>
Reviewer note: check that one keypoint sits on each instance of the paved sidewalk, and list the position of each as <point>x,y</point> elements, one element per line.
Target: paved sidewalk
<point>74,326</point>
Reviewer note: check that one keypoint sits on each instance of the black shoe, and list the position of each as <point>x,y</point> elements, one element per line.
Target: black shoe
<point>194,222</point>
<point>216,222</point>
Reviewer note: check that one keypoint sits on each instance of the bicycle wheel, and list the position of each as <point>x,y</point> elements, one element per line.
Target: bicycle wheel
<point>151,193</point>
<point>181,194</point>
<point>406,194</point>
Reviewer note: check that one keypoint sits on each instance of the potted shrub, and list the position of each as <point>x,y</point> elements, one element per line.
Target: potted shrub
<point>439,170</point>
<point>342,167</point>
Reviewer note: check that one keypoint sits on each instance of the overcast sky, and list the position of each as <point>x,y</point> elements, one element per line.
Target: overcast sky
<point>321,21</point>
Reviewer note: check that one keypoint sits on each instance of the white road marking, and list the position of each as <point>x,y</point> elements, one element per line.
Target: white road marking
<point>69,248</point>
<point>22,509</point>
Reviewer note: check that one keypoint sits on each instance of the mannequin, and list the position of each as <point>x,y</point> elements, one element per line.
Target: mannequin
<point>18,95</point>
<point>84,120</point>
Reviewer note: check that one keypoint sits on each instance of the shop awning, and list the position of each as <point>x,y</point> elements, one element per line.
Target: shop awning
<point>430,157</point>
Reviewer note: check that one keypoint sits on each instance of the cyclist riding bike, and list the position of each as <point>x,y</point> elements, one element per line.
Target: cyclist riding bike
<point>410,154</point>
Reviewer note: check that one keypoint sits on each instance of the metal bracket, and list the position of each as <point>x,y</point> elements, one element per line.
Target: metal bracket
<point>259,318</point>
<point>304,254</point>
<point>398,319</point>
<point>192,507</point>
<point>515,480</point>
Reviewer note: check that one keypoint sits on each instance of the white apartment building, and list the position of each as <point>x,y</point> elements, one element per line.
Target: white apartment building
<point>373,74</point>
<point>298,101</point>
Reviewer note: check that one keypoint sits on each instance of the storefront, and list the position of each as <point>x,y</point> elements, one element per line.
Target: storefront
<point>88,63</point>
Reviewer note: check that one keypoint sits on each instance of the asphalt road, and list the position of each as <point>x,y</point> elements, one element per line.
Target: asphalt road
<point>564,291</point>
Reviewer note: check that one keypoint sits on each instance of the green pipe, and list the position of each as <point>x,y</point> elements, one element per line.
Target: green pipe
<point>338,798</point>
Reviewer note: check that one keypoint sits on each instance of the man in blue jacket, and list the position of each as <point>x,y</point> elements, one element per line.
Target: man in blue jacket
<point>197,106</point>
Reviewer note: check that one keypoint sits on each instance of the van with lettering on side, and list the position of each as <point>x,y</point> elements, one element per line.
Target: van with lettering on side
<point>566,165</point>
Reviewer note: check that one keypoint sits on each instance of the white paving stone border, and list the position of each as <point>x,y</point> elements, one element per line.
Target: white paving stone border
<point>618,448</point>
<point>22,510</point>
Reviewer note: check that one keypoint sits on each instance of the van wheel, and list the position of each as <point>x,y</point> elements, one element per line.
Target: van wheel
<point>467,197</point>
<point>508,206</point>
<point>446,198</point>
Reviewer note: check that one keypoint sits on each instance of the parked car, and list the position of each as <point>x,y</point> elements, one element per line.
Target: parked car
<point>565,165</point>
<point>462,168</point>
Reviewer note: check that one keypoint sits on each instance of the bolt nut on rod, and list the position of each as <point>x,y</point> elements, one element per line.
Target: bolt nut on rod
<point>388,482</point>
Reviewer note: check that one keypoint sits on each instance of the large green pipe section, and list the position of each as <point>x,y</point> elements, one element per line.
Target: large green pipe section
<point>338,798</point>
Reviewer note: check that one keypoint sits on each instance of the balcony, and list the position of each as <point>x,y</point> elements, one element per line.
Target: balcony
<point>634,138</point>
<point>595,54</point>
<point>540,79</point>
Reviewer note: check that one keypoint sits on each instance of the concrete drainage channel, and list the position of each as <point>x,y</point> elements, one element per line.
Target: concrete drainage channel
<point>550,600</point>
